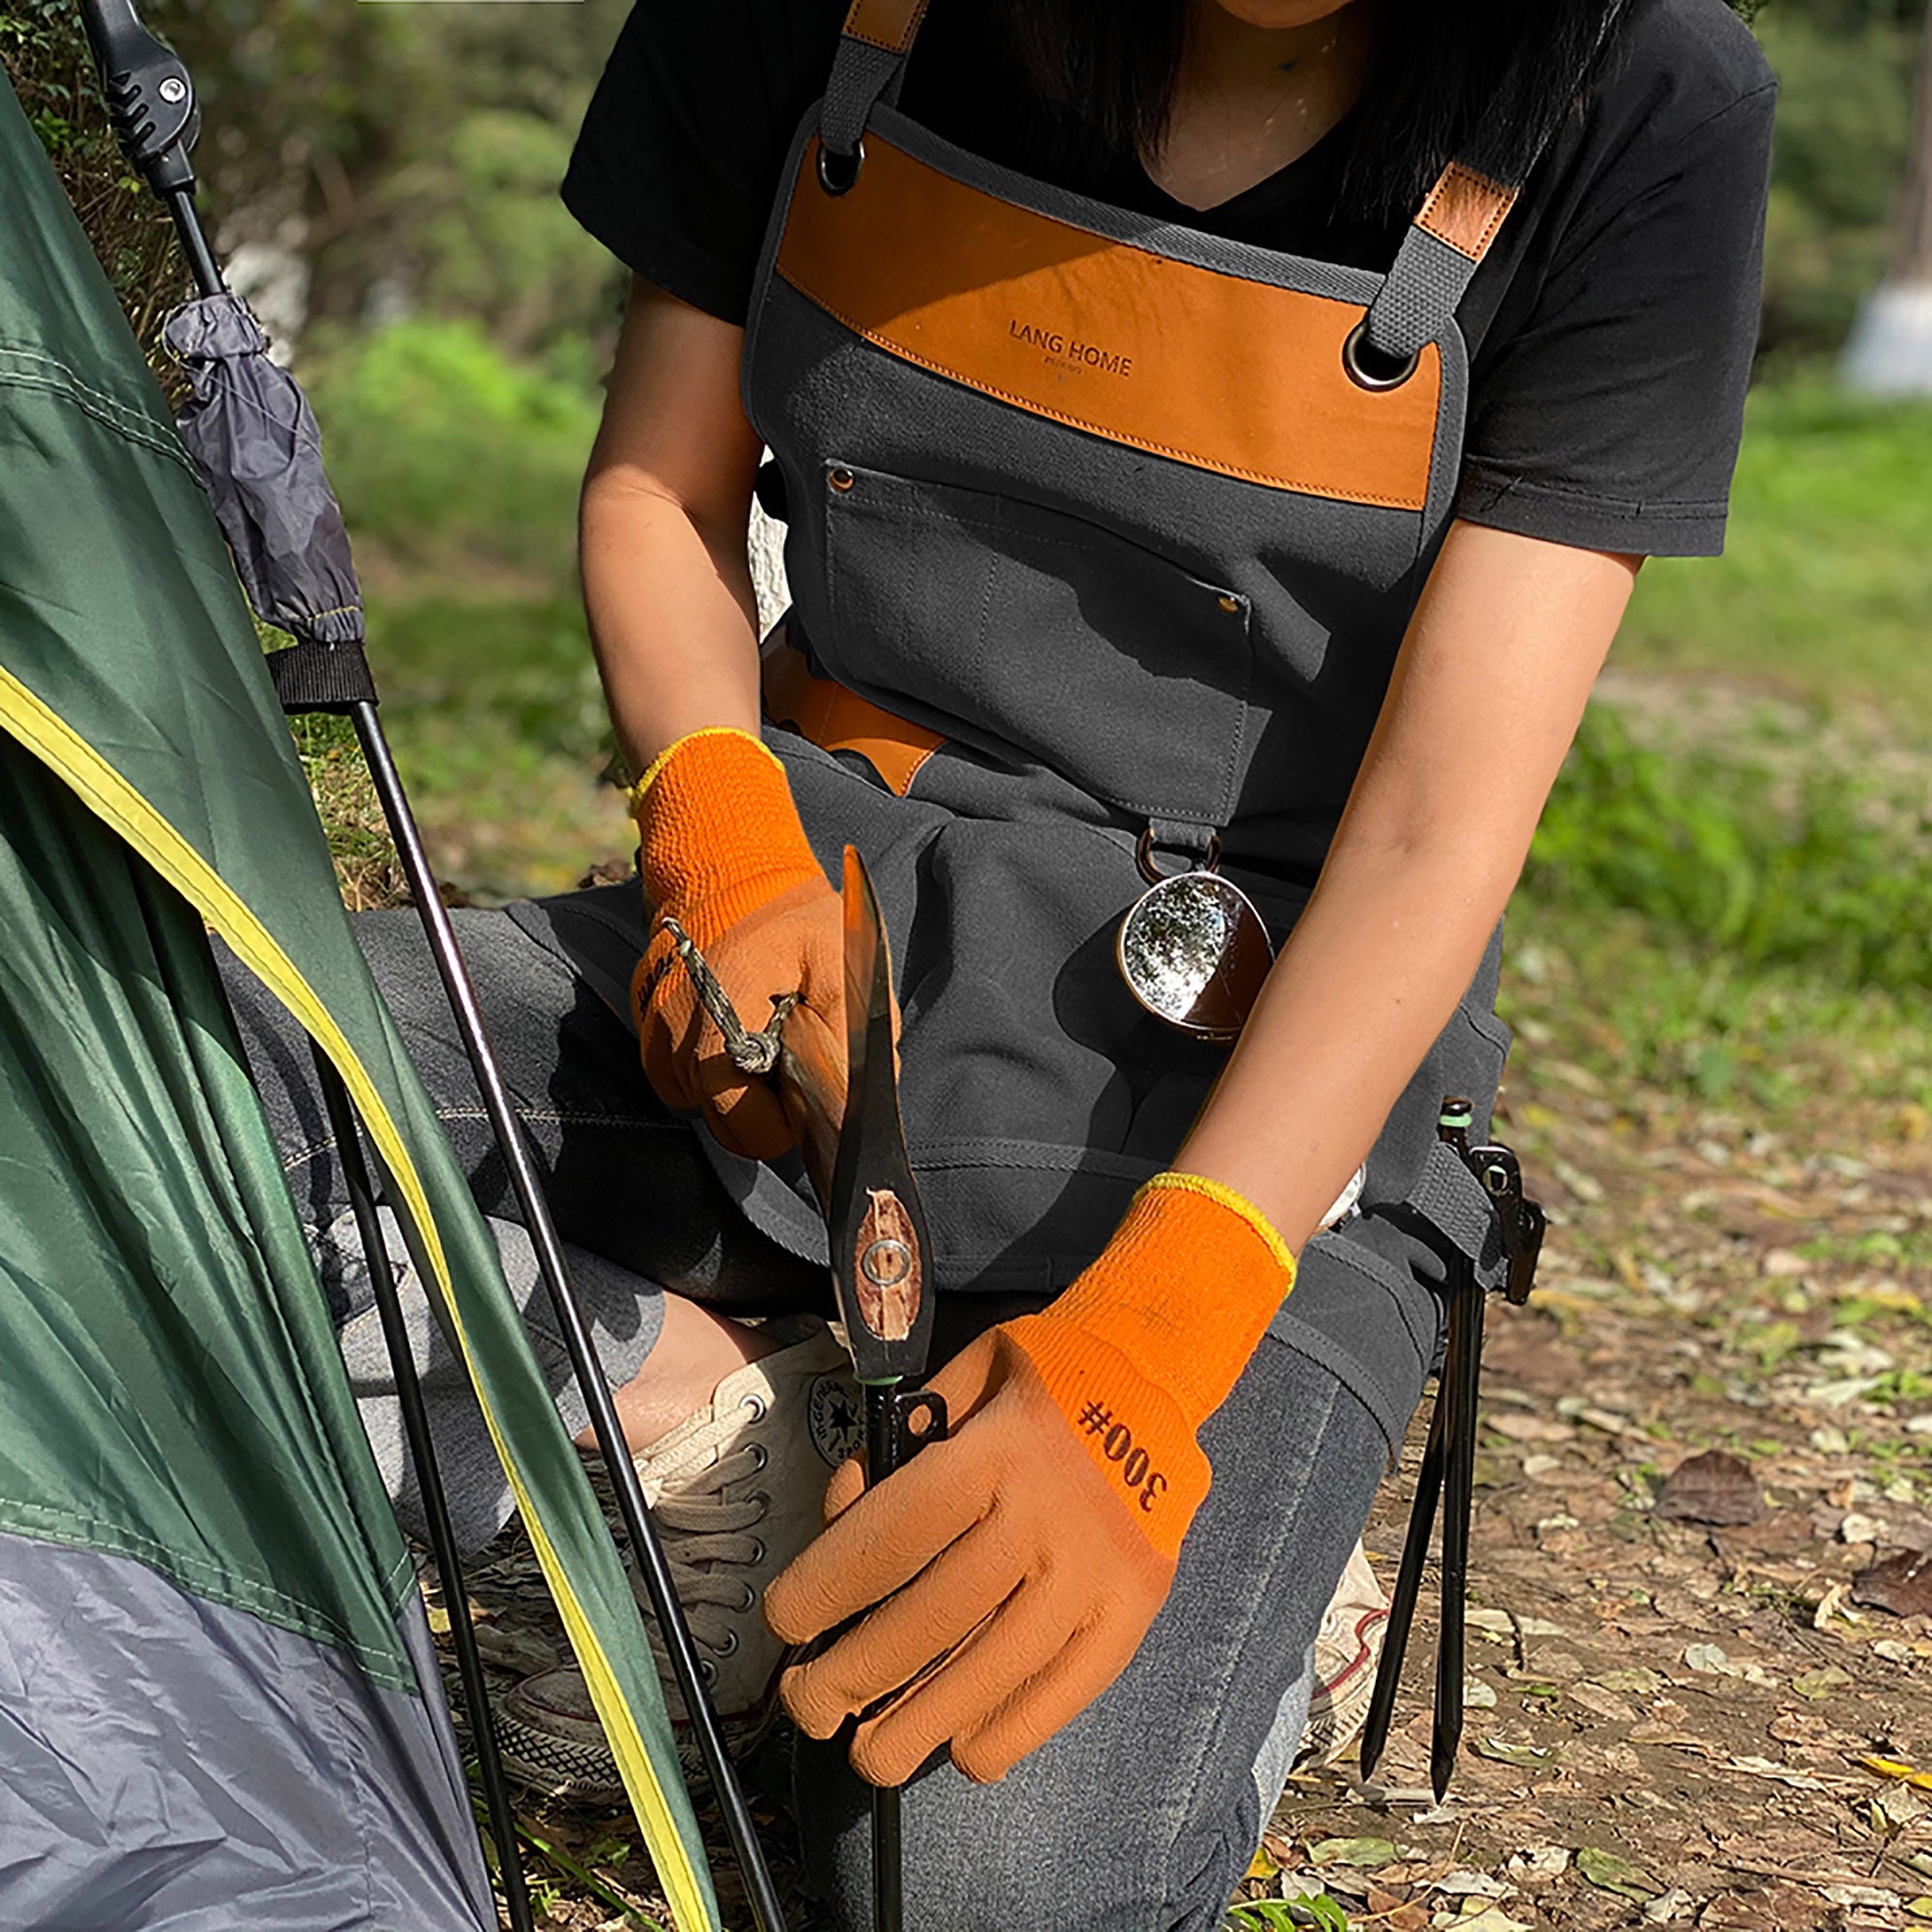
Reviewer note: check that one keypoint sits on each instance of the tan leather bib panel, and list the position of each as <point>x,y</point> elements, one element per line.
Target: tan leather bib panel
<point>1208,369</point>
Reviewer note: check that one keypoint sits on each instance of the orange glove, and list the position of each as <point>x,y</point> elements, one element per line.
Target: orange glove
<point>1031,1549</point>
<point>723,852</point>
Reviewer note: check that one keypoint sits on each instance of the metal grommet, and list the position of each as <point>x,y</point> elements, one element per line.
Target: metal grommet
<point>707,1670</point>
<point>751,1602</point>
<point>755,1402</point>
<point>1230,603</point>
<point>763,1455</point>
<point>1359,357</point>
<point>841,478</point>
<point>839,174</point>
<point>1153,875</point>
<point>729,1647</point>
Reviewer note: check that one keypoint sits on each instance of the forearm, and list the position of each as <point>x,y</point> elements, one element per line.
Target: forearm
<point>1367,980</point>
<point>1502,651</point>
<point>673,616</point>
<point>662,530</point>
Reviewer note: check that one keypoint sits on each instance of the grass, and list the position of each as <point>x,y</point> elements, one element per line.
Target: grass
<point>1825,585</point>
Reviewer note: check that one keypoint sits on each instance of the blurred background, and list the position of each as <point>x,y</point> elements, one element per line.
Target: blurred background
<point>1719,951</point>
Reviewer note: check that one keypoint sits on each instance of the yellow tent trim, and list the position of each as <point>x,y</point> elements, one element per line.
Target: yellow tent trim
<point>111,796</point>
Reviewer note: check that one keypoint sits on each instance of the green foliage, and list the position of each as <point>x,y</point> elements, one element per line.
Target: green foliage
<point>1275,1915</point>
<point>1844,112</point>
<point>440,447</point>
<point>45,56</point>
<point>1800,866</point>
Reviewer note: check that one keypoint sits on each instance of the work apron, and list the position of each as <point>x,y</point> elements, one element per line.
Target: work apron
<point>1097,543</point>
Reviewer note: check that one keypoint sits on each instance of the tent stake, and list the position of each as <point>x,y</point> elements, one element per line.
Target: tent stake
<point>429,1484</point>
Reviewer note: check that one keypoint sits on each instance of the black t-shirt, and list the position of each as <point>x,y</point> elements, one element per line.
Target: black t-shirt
<point>1611,329</point>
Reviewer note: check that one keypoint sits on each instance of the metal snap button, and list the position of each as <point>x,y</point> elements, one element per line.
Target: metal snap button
<point>1373,368</point>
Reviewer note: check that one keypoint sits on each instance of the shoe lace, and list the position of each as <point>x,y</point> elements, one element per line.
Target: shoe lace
<point>707,1535</point>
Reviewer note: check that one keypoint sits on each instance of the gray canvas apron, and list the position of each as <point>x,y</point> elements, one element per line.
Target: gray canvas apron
<point>1091,536</point>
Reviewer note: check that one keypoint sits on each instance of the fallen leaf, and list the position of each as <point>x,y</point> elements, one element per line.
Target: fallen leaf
<point>1887,1767</point>
<point>1714,1487</point>
<point>1901,1584</point>
<point>1508,1753</point>
<point>1364,1852</point>
<point>1799,1780</point>
<point>1520,1427</point>
<point>1820,1683</point>
<point>1612,1871</point>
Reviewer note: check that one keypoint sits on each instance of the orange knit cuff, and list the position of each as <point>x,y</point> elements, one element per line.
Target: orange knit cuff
<point>1186,1288</point>
<point>719,835</point>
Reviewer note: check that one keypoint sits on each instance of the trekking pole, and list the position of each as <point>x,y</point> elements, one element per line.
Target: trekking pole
<point>151,97</point>
<point>429,1484</point>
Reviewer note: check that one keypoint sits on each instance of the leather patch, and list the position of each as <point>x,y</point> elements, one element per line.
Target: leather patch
<point>885,23</point>
<point>1466,210</point>
<point>1203,367</point>
<point>838,720</point>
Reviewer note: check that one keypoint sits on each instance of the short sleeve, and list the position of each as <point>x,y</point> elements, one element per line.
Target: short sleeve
<point>1610,419</point>
<point>677,164</point>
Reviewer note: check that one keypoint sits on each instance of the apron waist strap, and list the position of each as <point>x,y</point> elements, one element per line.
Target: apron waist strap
<point>836,719</point>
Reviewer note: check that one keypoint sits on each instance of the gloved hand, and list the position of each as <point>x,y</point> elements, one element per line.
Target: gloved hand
<point>1030,1550</point>
<point>722,851</point>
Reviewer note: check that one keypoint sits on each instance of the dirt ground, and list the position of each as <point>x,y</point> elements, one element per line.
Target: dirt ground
<point>1671,1721</point>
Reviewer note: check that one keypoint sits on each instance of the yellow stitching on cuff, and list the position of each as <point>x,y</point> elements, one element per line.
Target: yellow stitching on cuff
<point>635,797</point>
<point>1238,1204</point>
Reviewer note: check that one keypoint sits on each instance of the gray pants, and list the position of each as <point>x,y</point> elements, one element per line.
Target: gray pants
<point>1140,1815</point>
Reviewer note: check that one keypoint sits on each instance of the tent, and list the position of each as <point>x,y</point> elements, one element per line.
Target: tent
<point>218,1705</point>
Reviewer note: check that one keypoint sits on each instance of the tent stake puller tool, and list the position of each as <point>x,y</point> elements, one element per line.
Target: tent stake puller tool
<point>1449,1458</point>
<point>853,1140</point>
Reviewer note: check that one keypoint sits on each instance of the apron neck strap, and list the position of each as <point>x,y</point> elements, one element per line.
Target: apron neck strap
<point>869,65</point>
<point>1453,232</point>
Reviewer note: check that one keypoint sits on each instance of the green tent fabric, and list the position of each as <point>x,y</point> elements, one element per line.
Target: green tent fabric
<point>169,1408</point>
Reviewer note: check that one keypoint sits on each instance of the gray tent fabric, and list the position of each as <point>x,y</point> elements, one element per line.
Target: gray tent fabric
<point>254,439</point>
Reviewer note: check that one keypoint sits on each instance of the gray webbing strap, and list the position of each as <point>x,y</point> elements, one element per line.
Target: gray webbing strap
<point>1422,292</point>
<point>860,75</point>
<point>869,67</point>
<point>1430,274</point>
<point>1451,1197</point>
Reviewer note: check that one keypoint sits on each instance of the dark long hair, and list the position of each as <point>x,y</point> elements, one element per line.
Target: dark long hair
<point>1480,81</point>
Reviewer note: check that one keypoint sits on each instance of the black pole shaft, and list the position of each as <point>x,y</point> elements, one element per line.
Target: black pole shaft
<point>201,262</point>
<point>1408,1580</point>
<point>766,1912</point>
<point>1462,1368</point>
<point>429,1483</point>
<point>882,1457</point>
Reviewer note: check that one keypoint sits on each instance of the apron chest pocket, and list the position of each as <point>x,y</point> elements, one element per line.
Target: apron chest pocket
<point>1042,635</point>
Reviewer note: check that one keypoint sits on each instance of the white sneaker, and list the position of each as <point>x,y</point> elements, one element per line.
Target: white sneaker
<point>1348,1653</point>
<point>735,1493</point>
